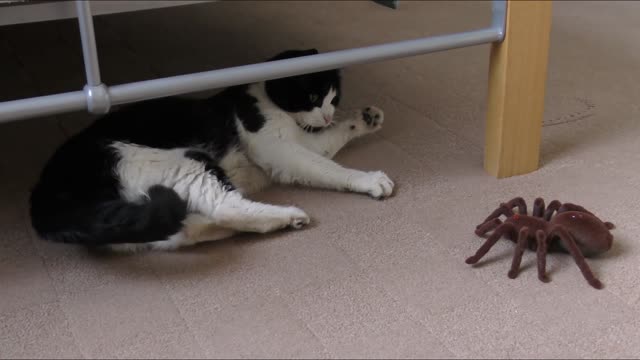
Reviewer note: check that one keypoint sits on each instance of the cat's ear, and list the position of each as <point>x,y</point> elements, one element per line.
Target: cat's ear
<point>289,54</point>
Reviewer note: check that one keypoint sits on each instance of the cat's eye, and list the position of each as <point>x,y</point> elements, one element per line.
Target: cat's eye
<point>313,98</point>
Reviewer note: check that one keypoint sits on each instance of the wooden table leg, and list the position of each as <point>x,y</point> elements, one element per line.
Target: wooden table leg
<point>517,79</point>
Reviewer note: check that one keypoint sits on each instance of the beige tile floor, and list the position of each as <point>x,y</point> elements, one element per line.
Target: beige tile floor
<point>367,279</point>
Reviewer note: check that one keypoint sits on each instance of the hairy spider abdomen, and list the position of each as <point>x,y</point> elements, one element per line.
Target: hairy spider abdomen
<point>590,234</point>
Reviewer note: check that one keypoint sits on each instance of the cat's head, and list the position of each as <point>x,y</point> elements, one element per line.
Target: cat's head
<point>310,98</point>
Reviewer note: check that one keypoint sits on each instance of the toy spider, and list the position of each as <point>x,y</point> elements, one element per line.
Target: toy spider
<point>573,229</point>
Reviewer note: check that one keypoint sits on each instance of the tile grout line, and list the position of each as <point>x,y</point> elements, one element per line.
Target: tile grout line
<point>404,308</point>
<point>304,324</point>
<point>408,310</point>
<point>179,311</point>
<point>63,309</point>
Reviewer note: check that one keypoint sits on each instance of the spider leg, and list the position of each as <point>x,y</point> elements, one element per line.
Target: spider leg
<point>492,240</point>
<point>520,203</point>
<point>609,225</point>
<point>542,255</point>
<point>506,209</point>
<point>570,245</point>
<point>488,226</point>
<point>517,255</point>
<point>538,208</point>
<point>553,206</point>
<point>503,209</point>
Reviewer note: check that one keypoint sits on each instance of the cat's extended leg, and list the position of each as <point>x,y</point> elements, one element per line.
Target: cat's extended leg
<point>230,210</point>
<point>291,163</point>
<point>328,142</point>
<point>241,214</point>
<point>234,215</point>
<point>197,229</point>
<point>209,194</point>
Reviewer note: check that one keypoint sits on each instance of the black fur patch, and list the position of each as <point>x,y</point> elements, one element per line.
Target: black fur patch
<point>294,93</point>
<point>170,123</point>
<point>236,101</point>
<point>211,166</point>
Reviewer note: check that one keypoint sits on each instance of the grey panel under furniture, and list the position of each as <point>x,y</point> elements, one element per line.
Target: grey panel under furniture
<point>29,11</point>
<point>98,98</point>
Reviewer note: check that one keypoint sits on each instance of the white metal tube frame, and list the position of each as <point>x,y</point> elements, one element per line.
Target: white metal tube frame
<point>97,98</point>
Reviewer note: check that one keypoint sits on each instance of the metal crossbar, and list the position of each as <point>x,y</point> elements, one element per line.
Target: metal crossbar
<point>98,98</point>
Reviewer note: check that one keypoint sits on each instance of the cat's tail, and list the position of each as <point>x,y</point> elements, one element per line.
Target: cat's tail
<point>116,221</point>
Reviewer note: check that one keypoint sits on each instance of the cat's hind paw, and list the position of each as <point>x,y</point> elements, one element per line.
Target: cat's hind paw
<point>298,218</point>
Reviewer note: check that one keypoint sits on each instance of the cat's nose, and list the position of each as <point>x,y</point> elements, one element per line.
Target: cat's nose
<point>328,118</point>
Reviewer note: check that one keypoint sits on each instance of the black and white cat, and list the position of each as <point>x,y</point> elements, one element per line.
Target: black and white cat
<point>172,172</point>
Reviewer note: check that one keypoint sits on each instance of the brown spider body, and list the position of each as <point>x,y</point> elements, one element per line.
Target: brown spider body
<point>573,229</point>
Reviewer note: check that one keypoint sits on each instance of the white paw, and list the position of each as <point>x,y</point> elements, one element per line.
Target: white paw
<point>367,120</point>
<point>373,117</point>
<point>298,218</point>
<point>377,184</point>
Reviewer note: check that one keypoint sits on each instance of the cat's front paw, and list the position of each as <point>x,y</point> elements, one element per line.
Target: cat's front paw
<point>366,121</point>
<point>373,117</point>
<point>376,183</point>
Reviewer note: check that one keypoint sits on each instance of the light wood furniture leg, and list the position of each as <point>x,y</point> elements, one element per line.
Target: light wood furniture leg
<point>517,79</point>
